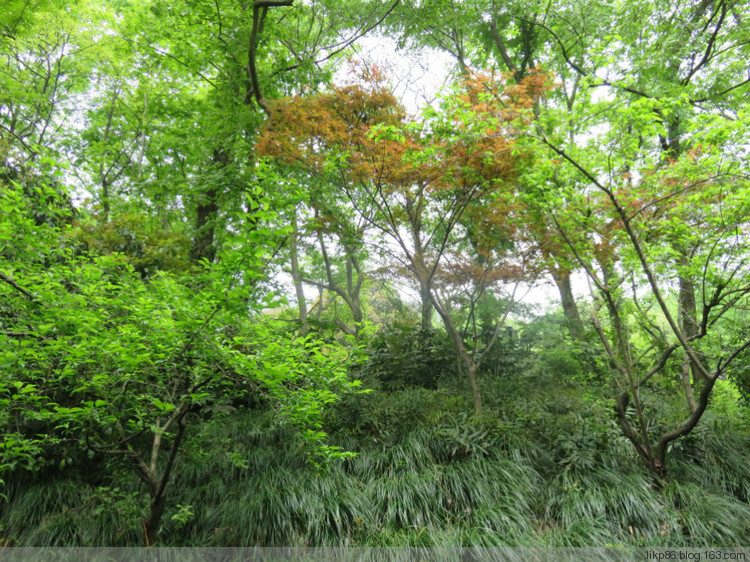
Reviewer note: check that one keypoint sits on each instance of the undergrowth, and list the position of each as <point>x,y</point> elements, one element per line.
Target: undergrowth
<point>426,474</point>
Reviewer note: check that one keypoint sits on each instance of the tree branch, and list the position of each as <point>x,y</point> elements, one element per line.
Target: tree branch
<point>347,43</point>
<point>18,288</point>
<point>709,47</point>
<point>576,67</point>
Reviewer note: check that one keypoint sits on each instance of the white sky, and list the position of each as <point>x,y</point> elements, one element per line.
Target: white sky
<point>416,77</point>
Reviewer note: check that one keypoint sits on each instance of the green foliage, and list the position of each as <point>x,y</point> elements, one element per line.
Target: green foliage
<point>142,234</point>
<point>244,480</point>
<point>95,356</point>
<point>403,356</point>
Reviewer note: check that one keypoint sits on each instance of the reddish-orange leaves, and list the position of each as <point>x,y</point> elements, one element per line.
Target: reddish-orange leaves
<point>309,130</point>
<point>466,149</point>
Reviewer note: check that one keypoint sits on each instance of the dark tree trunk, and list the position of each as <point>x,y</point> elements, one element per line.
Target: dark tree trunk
<point>157,486</point>
<point>203,242</point>
<point>153,520</point>
<point>570,308</point>
<point>206,212</point>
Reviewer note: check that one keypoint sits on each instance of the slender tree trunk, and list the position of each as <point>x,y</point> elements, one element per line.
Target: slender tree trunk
<point>353,288</point>
<point>319,311</point>
<point>464,357</point>
<point>426,308</point>
<point>105,200</point>
<point>689,326</point>
<point>686,301</point>
<point>349,294</point>
<point>476,395</point>
<point>687,385</point>
<point>158,486</point>
<point>357,315</point>
<point>689,323</point>
<point>104,174</point>
<point>687,315</point>
<point>297,278</point>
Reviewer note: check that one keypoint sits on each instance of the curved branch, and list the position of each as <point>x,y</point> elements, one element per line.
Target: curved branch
<point>576,67</point>
<point>688,425</point>
<point>172,57</point>
<point>709,47</point>
<point>347,43</point>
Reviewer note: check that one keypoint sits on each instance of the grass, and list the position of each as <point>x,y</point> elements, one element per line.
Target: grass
<point>425,479</point>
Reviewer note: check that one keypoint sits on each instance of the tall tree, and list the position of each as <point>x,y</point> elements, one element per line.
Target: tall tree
<point>486,33</point>
<point>681,66</point>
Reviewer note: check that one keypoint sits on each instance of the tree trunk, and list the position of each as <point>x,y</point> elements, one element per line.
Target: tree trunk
<point>153,520</point>
<point>570,308</point>
<point>476,395</point>
<point>353,289</point>
<point>687,318</point>
<point>464,357</point>
<point>687,426</point>
<point>206,212</point>
<point>105,201</point>
<point>686,384</point>
<point>203,241</point>
<point>148,474</point>
<point>427,308</point>
<point>687,315</point>
<point>689,327</point>
<point>297,278</point>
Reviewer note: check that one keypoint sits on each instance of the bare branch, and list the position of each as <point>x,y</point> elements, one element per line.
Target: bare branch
<point>348,42</point>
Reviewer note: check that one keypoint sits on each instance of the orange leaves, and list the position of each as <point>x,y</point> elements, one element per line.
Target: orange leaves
<point>503,100</point>
<point>485,120</point>
<point>466,149</point>
<point>310,130</point>
<point>461,273</point>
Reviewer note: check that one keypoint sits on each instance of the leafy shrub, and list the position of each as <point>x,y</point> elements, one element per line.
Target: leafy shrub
<point>403,356</point>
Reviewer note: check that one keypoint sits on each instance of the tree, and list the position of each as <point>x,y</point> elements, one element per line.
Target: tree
<point>647,212</point>
<point>420,179</point>
<point>674,82</point>
<point>485,34</point>
<point>94,357</point>
<point>653,88</point>
<point>100,354</point>
<point>247,54</point>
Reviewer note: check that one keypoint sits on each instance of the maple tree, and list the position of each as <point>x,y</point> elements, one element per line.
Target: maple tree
<point>415,181</point>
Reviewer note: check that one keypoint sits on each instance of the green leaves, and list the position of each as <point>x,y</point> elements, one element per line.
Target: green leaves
<point>302,375</point>
<point>99,354</point>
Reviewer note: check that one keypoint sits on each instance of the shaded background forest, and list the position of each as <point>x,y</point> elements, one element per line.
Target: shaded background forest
<point>247,298</point>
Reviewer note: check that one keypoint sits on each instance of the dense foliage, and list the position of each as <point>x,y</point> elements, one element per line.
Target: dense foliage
<point>174,174</point>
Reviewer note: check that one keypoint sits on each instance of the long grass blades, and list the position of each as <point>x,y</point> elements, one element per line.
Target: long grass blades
<point>244,480</point>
